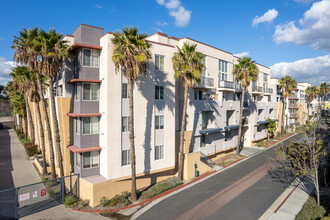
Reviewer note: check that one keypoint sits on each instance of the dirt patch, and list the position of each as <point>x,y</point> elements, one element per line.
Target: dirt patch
<point>227,159</point>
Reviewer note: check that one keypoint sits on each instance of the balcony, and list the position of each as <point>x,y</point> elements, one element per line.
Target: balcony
<point>293,96</point>
<point>268,91</point>
<point>205,82</point>
<point>302,96</point>
<point>293,105</point>
<point>226,86</point>
<point>293,115</point>
<point>257,89</point>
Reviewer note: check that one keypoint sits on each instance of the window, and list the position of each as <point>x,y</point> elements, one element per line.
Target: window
<point>90,125</point>
<point>77,125</point>
<point>199,95</point>
<point>125,124</point>
<point>78,160</point>
<point>124,93</point>
<point>159,62</point>
<point>223,70</point>
<point>59,91</point>
<point>77,92</point>
<point>203,140</point>
<point>159,92</point>
<point>91,159</point>
<point>269,98</point>
<point>204,120</point>
<point>204,70</point>
<point>265,83</point>
<point>90,92</point>
<point>91,58</point>
<point>159,122</point>
<point>125,157</point>
<point>259,112</point>
<point>227,135</point>
<point>159,152</point>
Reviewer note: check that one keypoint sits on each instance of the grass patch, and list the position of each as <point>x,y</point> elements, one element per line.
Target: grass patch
<point>70,200</point>
<point>260,144</point>
<point>117,199</point>
<point>310,210</point>
<point>159,188</point>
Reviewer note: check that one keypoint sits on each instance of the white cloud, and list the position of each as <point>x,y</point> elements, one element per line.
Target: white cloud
<point>98,6</point>
<point>269,16</point>
<point>313,28</point>
<point>314,70</point>
<point>180,13</point>
<point>162,23</point>
<point>243,54</point>
<point>5,69</point>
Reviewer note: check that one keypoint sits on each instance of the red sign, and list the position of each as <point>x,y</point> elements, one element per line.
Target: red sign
<point>43,192</point>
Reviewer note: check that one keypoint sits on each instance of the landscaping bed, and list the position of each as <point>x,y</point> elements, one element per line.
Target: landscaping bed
<point>228,159</point>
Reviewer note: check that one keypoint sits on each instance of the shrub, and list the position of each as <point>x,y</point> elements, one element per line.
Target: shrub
<point>31,149</point>
<point>278,134</point>
<point>84,202</point>
<point>104,201</point>
<point>161,187</point>
<point>70,200</point>
<point>310,210</point>
<point>260,143</point>
<point>44,178</point>
<point>51,193</point>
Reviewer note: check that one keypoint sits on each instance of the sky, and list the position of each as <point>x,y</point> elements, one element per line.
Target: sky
<point>289,36</point>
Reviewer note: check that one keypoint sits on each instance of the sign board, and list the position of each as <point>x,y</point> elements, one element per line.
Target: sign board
<point>24,197</point>
<point>35,194</point>
<point>43,192</point>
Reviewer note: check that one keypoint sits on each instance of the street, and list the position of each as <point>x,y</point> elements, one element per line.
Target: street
<point>244,191</point>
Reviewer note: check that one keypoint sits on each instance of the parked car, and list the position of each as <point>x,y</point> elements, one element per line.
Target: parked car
<point>1,125</point>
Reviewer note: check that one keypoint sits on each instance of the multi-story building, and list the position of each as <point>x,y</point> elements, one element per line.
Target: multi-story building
<point>93,110</point>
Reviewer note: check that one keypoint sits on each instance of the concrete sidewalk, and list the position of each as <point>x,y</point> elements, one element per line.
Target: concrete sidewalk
<point>17,170</point>
<point>288,205</point>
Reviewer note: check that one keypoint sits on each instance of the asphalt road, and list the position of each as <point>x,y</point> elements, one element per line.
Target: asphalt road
<point>244,191</point>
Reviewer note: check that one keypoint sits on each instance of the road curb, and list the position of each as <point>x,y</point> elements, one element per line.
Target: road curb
<point>213,172</point>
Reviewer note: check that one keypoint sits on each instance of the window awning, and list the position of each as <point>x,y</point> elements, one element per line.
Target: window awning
<point>262,122</point>
<point>210,130</point>
<point>76,46</point>
<point>231,127</point>
<point>76,149</point>
<point>84,80</point>
<point>76,115</point>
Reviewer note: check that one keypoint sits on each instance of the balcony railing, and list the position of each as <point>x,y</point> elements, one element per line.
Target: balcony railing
<point>206,81</point>
<point>302,96</point>
<point>293,115</point>
<point>226,84</point>
<point>238,86</point>
<point>293,96</point>
<point>257,88</point>
<point>293,105</point>
<point>268,90</point>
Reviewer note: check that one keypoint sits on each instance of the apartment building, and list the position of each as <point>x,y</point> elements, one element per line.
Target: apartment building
<point>93,110</point>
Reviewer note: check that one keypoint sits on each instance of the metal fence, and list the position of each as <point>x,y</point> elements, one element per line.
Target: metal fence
<point>32,198</point>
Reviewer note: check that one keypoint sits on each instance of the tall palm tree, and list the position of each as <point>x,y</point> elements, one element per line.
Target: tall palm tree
<point>312,94</point>
<point>53,51</point>
<point>131,53</point>
<point>288,85</point>
<point>188,65</point>
<point>27,51</point>
<point>21,81</point>
<point>246,71</point>
<point>324,89</point>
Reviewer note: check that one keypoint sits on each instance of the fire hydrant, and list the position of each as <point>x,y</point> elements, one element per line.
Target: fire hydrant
<point>196,171</point>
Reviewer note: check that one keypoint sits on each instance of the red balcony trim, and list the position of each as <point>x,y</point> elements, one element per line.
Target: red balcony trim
<point>75,115</point>
<point>84,80</point>
<point>76,46</point>
<point>76,149</point>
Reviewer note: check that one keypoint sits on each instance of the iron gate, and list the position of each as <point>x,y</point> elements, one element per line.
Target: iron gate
<point>32,198</point>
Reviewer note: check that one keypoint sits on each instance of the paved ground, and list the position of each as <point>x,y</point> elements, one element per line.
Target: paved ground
<point>16,170</point>
<point>244,191</point>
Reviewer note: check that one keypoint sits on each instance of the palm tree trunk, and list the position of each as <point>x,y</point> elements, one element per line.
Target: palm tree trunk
<point>308,106</point>
<point>25,127</point>
<point>239,141</point>
<point>131,137</point>
<point>57,130</point>
<point>49,135</point>
<point>283,113</point>
<point>30,120</point>
<point>183,125</point>
<point>42,141</point>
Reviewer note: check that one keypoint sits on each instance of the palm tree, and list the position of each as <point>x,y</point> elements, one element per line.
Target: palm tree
<point>311,93</point>
<point>246,71</point>
<point>27,50</point>
<point>21,81</point>
<point>53,51</point>
<point>131,53</point>
<point>324,89</point>
<point>187,64</point>
<point>288,85</point>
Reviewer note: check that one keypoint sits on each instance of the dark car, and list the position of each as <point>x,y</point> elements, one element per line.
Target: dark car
<point>1,125</point>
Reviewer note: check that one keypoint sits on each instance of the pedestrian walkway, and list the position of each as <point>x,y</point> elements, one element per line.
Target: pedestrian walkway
<point>17,170</point>
<point>250,151</point>
<point>288,205</point>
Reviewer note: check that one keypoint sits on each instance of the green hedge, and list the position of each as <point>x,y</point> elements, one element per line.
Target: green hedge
<point>31,149</point>
<point>161,187</point>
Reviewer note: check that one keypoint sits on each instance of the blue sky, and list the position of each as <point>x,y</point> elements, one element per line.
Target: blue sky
<point>290,36</point>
